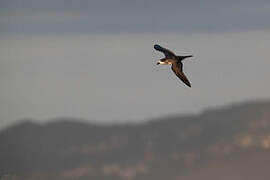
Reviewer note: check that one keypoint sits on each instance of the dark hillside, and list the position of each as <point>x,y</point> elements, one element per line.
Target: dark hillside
<point>232,142</point>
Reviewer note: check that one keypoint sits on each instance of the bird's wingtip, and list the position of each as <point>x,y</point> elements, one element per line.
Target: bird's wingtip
<point>157,47</point>
<point>188,84</point>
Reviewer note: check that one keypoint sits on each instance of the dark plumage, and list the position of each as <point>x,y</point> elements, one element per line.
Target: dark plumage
<point>175,61</point>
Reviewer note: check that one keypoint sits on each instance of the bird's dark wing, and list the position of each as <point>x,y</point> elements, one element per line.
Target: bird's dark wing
<point>167,52</point>
<point>177,69</point>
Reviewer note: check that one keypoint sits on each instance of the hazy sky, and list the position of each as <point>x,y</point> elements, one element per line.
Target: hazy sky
<point>95,59</point>
<point>118,16</point>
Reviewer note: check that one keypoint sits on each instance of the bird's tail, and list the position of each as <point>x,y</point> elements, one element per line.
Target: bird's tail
<point>183,57</point>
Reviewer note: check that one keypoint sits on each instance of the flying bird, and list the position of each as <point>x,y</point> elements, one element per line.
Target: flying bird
<point>175,61</point>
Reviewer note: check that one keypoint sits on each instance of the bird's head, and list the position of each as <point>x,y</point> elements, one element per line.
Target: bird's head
<point>162,61</point>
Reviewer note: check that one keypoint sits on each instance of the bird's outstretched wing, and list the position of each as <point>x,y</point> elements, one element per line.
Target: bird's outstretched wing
<point>178,70</point>
<point>167,52</point>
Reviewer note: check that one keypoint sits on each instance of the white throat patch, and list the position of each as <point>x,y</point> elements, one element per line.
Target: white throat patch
<point>160,62</point>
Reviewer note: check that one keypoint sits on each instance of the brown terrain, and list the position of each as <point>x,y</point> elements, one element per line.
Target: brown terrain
<point>229,143</point>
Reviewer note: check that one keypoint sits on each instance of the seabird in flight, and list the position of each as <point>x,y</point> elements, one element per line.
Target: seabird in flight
<point>175,61</point>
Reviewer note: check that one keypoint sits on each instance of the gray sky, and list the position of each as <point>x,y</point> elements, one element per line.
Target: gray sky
<point>95,59</point>
<point>118,16</point>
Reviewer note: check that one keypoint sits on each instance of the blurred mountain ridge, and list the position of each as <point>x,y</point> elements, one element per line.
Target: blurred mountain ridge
<point>231,142</point>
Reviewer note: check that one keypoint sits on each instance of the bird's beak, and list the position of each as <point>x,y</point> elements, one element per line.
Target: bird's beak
<point>158,63</point>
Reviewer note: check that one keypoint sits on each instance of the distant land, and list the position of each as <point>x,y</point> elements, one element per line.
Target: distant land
<point>228,143</point>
